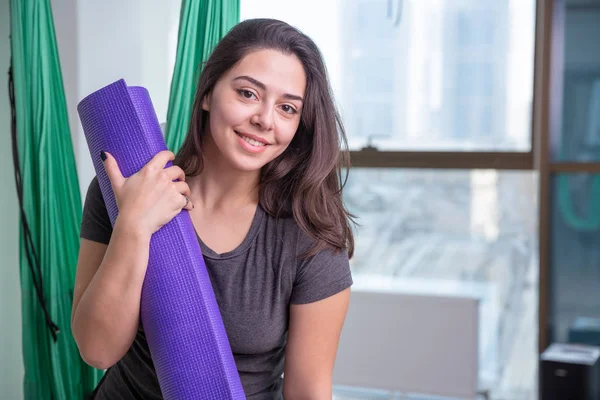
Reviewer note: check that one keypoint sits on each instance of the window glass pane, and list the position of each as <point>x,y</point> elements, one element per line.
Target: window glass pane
<point>424,74</point>
<point>575,259</point>
<point>578,120</point>
<point>474,230</point>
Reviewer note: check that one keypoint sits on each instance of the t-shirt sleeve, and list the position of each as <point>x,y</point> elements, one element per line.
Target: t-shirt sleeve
<point>95,222</point>
<point>320,276</point>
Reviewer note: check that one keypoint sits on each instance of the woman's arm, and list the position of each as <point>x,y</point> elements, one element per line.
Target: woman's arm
<point>106,299</point>
<point>313,337</point>
<point>109,279</point>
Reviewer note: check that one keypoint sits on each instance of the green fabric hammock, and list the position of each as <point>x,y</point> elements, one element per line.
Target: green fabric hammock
<point>46,179</point>
<point>49,197</point>
<point>202,23</point>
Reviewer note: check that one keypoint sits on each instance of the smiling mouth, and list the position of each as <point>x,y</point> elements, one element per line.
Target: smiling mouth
<point>250,141</point>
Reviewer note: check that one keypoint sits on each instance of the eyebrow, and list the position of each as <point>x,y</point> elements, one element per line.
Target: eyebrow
<point>262,86</point>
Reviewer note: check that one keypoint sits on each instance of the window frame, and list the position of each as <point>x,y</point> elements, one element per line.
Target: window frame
<point>373,158</point>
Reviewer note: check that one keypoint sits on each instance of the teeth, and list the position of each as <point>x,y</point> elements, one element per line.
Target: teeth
<point>253,142</point>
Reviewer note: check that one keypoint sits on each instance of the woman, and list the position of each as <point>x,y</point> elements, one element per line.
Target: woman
<point>259,173</point>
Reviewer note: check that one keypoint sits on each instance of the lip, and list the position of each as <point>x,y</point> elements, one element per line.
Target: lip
<point>247,146</point>
<point>257,138</point>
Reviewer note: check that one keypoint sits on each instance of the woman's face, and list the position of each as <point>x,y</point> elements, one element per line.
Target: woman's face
<point>254,109</point>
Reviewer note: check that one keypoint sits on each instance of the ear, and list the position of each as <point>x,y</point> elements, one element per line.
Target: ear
<point>206,102</point>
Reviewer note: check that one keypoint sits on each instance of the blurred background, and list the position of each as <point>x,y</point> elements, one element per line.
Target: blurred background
<point>474,131</point>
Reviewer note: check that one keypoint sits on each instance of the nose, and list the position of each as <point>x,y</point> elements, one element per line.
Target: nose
<point>263,118</point>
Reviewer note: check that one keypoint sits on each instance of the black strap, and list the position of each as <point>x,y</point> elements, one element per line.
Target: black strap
<point>32,258</point>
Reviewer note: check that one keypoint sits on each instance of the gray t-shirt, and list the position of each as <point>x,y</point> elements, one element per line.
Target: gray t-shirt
<point>254,285</point>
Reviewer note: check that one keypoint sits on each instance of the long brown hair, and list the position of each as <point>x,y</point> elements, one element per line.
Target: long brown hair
<point>305,181</point>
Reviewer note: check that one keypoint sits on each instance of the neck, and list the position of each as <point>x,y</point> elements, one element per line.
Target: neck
<point>221,187</point>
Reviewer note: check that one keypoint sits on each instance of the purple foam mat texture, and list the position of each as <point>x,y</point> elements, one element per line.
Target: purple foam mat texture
<point>179,311</point>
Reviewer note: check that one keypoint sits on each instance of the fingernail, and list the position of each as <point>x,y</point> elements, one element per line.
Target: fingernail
<point>103,155</point>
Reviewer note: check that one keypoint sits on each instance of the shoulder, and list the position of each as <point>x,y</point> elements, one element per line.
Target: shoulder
<point>95,223</point>
<point>94,191</point>
<point>316,276</point>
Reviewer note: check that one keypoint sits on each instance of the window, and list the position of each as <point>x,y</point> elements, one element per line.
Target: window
<point>452,75</point>
<point>577,136</point>
<point>466,228</point>
<point>437,99</point>
<point>574,187</point>
<point>574,253</point>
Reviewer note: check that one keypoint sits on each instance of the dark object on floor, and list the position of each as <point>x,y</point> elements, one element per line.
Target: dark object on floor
<point>570,372</point>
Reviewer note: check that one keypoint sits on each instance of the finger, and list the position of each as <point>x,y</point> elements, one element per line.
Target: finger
<point>112,170</point>
<point>175,173</point>
<point>187,205</point>
<point>184,190</point>
<point>161,158</point>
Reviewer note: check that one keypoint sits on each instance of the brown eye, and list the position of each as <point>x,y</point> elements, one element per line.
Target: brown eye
<point>288,109</point>
<point>246,94</point>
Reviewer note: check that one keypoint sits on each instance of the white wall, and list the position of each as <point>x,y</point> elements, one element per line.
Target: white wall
<point>11,362</point>
<point>66,30</point>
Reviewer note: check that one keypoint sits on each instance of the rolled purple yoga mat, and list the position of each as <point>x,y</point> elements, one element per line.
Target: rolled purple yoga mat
<point>179,311</point>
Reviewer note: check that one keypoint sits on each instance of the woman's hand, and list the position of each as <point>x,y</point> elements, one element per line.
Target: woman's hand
<point>151,197</point>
